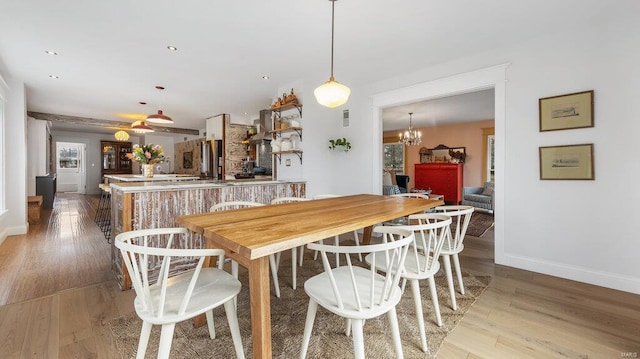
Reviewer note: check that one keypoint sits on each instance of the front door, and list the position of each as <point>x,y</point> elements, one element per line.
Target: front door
<point>70,168</point>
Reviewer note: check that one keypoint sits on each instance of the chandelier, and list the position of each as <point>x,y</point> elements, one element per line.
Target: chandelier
<point>332,93</point>
<point>411,137</point>
<point>121,135</point>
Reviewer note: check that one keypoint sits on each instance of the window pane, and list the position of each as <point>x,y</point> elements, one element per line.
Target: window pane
<point>394,156</point>
<point>68,157</point>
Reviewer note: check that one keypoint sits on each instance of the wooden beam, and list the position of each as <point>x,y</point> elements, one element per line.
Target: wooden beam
<point>120,125</point>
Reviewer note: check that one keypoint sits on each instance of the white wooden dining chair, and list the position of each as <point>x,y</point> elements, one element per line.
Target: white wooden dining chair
<point>168,300</point>
<point>358,293</point>
<point>404,220</point>
<point>431,231</point>
<point>336,239</point>
<point>224,206</point>
<point>294,251</point>
<point>460,216</point>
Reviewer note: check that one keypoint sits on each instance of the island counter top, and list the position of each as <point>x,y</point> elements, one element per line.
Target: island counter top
<point>165,185</point>
<point>158,177</point>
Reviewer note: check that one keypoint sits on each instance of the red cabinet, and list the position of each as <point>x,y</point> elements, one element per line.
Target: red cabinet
<point>442,178</point>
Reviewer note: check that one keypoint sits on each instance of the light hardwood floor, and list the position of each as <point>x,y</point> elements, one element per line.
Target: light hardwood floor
<point>58,295</point>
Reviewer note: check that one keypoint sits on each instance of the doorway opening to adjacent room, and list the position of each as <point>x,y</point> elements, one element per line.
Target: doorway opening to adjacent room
<point>482,79</point>
<point>71,167</point>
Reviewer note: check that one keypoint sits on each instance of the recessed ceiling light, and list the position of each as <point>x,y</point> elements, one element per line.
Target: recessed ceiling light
<point>142,103</point>
<point>245,113</point>
<point>54,76</point>
<point>172,48</point>
<point>265,77</point>
<point>51,52</point>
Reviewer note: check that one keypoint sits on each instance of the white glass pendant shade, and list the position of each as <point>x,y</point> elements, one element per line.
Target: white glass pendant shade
<point>332,94</point>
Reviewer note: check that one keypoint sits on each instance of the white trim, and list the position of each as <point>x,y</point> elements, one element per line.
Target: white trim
<point>490,77</point>
<point>577,273</point>
<point>13,231</point>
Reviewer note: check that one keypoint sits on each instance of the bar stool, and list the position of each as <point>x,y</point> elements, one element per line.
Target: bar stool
<point>103,213</point>
<point>101,204</point>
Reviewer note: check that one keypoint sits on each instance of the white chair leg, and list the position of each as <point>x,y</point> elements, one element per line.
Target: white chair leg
<point>417,301</point>
<point>452,290</point>
<point>301,255</point>
<point>315,255</point>
<point>212,328</point>
<point>347,331</point>
<point>144,339</point>
<point>274,274</point>
<point>355,238</point>
<point>395,332</point>
<point>235,269</point>
<point>404,285</point>
<point>166,337</point>
<point>234,327</point>
<point>336,241</point>
<point>308,327</point>
<point>278,260</point>
<point>456,265</point>
<point>358,338</point>
<point>294,267</point>
<point>434,300</point>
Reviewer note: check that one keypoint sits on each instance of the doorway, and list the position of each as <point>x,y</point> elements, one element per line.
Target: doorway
<point>71,167</point>
<point>492,77</point>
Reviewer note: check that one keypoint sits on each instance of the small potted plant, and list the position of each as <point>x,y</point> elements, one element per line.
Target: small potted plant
<point>340,144</point>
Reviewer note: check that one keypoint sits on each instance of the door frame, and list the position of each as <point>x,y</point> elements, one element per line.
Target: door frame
<point>82,163</point>
<point>490,77</point>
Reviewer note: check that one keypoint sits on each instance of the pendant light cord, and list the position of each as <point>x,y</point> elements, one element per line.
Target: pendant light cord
<point>333,4</point>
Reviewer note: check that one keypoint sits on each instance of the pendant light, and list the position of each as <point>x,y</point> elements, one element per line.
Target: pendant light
<point>141,127</point>
<point>121,135</point>
<point>411,137</point>
<point>159,117</point>
<point>332,93</point>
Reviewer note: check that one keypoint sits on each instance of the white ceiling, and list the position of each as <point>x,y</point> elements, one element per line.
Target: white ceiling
<point>112,54</point>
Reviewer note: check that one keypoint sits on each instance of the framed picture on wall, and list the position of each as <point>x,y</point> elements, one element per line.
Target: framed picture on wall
<point>571,162</point>
<point>566,111</point>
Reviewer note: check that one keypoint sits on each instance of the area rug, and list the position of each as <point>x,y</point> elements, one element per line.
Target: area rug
<point>479,224</point>
<point>288,315</point>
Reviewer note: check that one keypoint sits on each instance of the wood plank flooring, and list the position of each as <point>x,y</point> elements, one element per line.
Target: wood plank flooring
<point>58,295</point>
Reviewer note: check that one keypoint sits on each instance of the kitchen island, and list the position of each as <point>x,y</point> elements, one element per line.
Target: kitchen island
<point>156,204</point>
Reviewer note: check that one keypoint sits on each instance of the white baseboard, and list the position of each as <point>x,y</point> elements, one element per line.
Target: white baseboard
<point>580,274</point>
<point>13,231</point>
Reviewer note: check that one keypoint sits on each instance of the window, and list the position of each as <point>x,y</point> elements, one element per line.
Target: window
<point>67,157</point>
<point>488,159</point>
<point>394,156</point>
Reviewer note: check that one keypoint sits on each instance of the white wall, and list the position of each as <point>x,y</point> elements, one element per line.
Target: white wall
<point>167,142</point>
<point>37,144</point>
<point>94,153</point>
<point>581,230</point>
<point>15,220</point>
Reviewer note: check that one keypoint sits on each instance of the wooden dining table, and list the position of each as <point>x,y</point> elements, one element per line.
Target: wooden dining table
<point>250,235</point>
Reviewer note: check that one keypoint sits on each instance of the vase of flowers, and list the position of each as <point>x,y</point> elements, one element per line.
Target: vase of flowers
<point>147,155</point>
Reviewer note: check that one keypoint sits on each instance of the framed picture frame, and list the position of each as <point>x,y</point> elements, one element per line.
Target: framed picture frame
<point>566,111</point>
<point>570,162</point>
<point>443,154</point>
